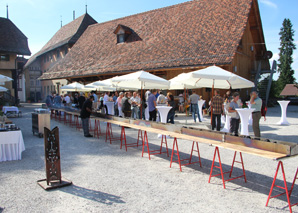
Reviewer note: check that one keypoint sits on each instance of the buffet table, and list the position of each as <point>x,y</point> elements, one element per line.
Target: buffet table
<point>6,109</point>
<point>11,145</point>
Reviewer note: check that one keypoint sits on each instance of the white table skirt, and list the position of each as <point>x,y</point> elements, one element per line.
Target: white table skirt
<point>6,109</point>
<point>11,145</point>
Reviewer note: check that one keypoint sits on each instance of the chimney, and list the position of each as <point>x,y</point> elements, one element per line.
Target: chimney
<point>74,15</point>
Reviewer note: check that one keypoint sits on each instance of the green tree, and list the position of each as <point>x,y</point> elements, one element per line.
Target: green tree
<point>286,49</point>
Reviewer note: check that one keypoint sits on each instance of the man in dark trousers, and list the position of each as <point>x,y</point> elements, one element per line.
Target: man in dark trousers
<point>81,100</point>
<point>85,115</point>
<point>217,110</point>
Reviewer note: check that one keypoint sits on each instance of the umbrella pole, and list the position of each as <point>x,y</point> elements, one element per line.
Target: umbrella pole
<point>212,93</point>
<point>141,102</point>
<point>185,104</point>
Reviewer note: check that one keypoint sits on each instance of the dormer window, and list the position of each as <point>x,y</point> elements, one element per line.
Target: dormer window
<point>121,38</point>
<point>122,33</point>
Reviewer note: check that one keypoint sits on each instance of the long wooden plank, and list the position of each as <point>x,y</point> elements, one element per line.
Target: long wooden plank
<point>201,139</point>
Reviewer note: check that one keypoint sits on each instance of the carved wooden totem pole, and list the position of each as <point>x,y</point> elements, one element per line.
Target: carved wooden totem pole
<point>52,161</point>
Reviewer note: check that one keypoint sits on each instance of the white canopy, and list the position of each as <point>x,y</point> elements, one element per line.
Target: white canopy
<point>75,87</point>
<point>99,86</point>
<point>4,78</point>
<point>140,80</point>
<point>181,82</point>
<point>3,89</point>
<point>220,78</point>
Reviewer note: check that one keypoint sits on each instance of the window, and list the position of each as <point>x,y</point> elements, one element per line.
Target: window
<point>65,51</point>
<point>4,57</point>
<point>120,38</point>
<point>37,83</point>
<point>58,54</point>
<point>32,83</point>
<point>122,33</point>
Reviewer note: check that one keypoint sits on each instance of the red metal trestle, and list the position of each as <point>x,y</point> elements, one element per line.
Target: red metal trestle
<point>216,152</point>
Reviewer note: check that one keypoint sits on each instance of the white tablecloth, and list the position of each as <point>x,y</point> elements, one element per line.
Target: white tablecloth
<point>6,109</point>
<point>11,145</point>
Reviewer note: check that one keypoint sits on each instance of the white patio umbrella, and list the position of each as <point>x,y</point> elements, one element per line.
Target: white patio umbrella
<point>216,77</point>
<point>219,78</point>
<point>103,87</point>
<point>75,87</point>
<point>140,80</point>
<point>3,89</point>
<point>4,78</point>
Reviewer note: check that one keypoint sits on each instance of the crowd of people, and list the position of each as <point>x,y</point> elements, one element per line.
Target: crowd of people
<point>134,104</point>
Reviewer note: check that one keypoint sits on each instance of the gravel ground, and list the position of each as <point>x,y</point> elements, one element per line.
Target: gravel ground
<point>108,179</point>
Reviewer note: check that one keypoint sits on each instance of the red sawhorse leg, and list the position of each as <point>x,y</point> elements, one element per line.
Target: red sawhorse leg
<point>140,134</point>
<point>97,129</point>
<point>280,165</point>
<point>175,145</point>
<point>69,121</point>
<point>65,119</point>
<point>109,133</point>
<point>153,152</point>
<point>62,117</point>
<point>91,128</point>
<point>230,172</point>
<point>78,122</point>
<point>73,121</point>
<point>52,113</point>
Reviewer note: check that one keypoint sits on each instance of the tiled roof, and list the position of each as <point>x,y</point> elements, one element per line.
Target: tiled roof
<point>193,33</point>
<point>290,90</point>
<point>68,34</point>
<point>12,40</point>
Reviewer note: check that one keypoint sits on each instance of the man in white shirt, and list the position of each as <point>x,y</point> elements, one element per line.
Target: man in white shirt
<point>106,99</point>
<point>67,100</point>
<point>135,102</point>
<point>161,99</point>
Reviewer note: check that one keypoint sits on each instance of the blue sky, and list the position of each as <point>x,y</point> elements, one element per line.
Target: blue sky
<point>40,19</point>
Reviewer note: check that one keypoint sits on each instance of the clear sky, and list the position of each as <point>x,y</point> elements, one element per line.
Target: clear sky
<point>39,20</point>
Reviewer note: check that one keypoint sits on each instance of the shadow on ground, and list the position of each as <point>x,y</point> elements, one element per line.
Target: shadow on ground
<point>93,195</point>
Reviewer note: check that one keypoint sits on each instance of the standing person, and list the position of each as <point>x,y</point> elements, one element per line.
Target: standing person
<point>126,107</point>
<point>256,103</point>
<point>147,93</point>
<point>81,100</point>
<point>142,107</point>
<point>235,119</point>
<point>135,102</point>
<point>161,99</point>
<point>57,100</point>
<point>95,96</point>
<point>67,100</point>
<point>152,105</point>
<point>115,99</point>
<point>85,115</point>
<point>49,101</point>
<point>76,100</point>
<point>193,100</point>
<point>181,103</point>
<point>171,114</point>
<point>157,93</point>
<point>119,103</point>
<point>106,99</point>
<point>217,110</point>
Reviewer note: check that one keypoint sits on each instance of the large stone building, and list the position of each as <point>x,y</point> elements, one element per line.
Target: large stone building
<point>169,41</point>
<point>13,46</point>
<point>50,54</point>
